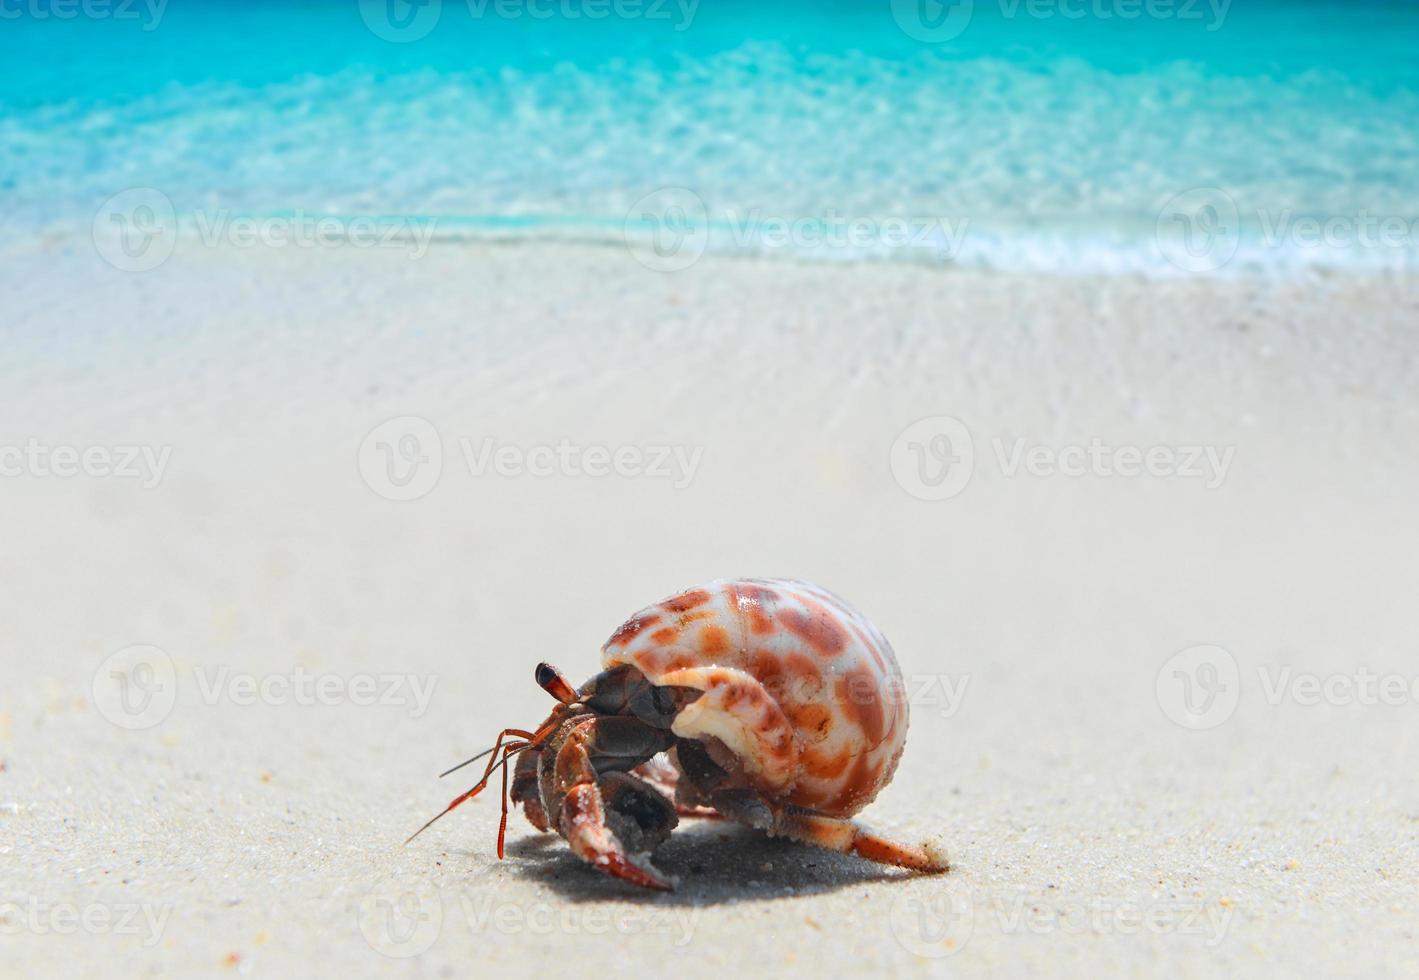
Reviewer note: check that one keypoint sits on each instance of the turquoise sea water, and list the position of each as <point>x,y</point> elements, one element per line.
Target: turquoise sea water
<point>1076,136</point>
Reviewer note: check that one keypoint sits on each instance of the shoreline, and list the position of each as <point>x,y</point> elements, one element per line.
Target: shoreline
<point>1134,256</point>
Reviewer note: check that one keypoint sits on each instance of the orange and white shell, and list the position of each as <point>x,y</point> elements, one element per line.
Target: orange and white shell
<point>800,686</point>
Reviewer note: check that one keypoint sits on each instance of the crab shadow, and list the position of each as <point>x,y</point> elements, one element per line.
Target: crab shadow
<point>713,862</point>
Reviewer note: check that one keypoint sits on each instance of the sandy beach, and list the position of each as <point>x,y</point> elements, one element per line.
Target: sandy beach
<point>1145,549</point>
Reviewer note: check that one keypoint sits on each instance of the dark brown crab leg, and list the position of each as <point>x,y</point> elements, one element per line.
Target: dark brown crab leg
<point>663,776</point>
<point>524,788</point>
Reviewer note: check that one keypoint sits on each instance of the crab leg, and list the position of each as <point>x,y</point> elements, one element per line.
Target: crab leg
<point>525,791</point>
<point>665,778</point>
<point>845,836</point>
<point>617,743</point>
<point>500,752</point>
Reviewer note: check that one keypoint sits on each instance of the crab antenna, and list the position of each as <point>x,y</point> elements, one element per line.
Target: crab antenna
<point>534,740</point>
<point>551,680</point>
<point>468,762</point>
<point>486,752</point>
<point>507,754</point>
<point>432,821</point>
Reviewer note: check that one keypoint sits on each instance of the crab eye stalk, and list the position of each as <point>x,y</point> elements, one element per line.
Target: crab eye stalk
<point>550,679</point>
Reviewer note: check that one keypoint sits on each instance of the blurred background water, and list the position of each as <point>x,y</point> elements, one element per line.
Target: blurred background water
<point>1068,136</point>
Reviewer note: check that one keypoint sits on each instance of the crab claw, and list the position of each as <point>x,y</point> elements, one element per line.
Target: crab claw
<point>583,824</point>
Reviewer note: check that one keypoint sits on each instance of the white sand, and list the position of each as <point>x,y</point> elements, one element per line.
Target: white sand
<point>1093,836</point>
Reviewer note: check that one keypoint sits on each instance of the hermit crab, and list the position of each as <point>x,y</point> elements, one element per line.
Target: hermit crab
<point>766,701</point>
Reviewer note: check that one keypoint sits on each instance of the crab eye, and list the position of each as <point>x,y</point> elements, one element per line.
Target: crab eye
<point>550,679</point>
